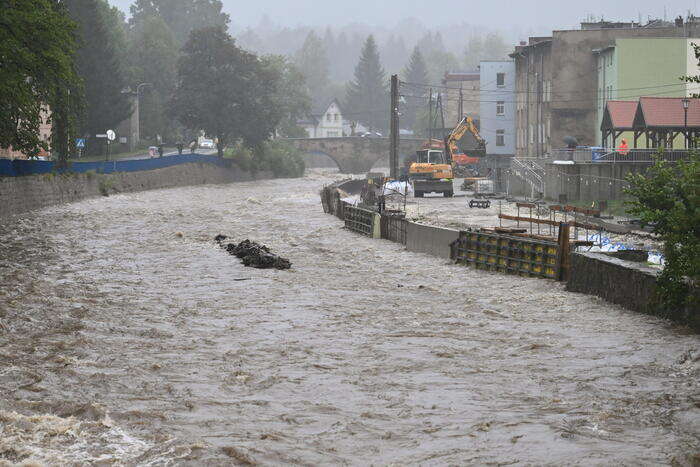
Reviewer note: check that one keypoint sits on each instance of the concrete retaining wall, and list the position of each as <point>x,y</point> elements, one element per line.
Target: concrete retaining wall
<point>431,240</point>
<point>22,194</point>
<point>590,181</point>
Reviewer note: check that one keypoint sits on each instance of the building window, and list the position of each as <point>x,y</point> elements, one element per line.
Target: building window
<point>332,134</point>
<point>500,79</point>
<point>336,117</point>
<point>500,108</point>
<point>500,137</point>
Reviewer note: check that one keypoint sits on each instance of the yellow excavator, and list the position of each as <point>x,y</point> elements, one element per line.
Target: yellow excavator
<point>464,164</point>
<point>431,173</point>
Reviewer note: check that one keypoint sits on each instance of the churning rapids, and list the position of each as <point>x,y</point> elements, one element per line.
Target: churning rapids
<point>127,335</point>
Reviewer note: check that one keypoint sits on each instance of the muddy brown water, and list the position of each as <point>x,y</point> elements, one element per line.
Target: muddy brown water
<point>124,342</point>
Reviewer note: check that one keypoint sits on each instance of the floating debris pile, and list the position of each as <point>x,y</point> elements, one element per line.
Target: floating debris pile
<point>253,254</point>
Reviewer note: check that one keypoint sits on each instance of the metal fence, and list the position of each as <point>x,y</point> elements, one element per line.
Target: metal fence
<point>603,155</point>
<point>359,220</point>
<point>393,226</point>
<point>22,167</point>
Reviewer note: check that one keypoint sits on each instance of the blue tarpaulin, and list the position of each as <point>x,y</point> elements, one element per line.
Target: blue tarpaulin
<point>21,167</point>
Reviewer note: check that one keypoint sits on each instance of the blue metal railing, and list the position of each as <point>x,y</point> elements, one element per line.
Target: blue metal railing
<point>21,167</point>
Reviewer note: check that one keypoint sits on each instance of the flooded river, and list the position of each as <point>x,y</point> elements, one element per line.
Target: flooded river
<point>127,336</point>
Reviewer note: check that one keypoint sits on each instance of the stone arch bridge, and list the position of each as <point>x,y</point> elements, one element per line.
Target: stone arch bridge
<point>355,154</point>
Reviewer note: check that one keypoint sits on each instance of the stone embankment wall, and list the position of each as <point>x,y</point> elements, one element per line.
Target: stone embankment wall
<point>627,283</point>
<point>23,194</point>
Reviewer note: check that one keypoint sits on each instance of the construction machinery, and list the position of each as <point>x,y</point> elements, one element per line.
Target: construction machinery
<point>431,172</point>
<point>465,163</point>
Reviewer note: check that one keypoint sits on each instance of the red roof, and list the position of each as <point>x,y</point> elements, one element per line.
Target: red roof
<point>621,113</point>
<point>666,112</point>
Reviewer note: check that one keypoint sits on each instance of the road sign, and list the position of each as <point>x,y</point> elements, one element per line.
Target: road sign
<point>111,135</point>
<point>101,136</point>
<point>80,142</point>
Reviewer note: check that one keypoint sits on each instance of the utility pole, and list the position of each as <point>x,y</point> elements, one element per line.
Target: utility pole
<point>394,153</point>
<point>460,113</point>
<point>430,115</point>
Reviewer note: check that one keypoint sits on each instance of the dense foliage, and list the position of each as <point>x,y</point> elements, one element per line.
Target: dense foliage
<point>278,157</point>
<point>37,72</point>
<point>226,92</point>
<point>100,63</point>
<point>153,54</point>
<point>667,197</point>
<point>182,16</point>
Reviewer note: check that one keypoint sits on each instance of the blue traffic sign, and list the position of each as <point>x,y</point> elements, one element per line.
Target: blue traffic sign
<point>80,142</point>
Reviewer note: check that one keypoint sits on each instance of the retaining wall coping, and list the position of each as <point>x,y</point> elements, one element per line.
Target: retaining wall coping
<point>639,267</point>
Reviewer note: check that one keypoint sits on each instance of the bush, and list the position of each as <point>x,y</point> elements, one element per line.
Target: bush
<point>667,197</point>
<point>278,157</point>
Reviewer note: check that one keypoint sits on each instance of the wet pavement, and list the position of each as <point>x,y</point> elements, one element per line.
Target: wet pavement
<point>128,336</point>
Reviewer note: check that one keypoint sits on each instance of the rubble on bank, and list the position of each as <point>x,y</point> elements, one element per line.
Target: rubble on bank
<point>253,254</point>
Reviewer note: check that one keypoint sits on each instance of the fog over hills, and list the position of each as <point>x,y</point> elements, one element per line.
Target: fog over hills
<point>536,16</point>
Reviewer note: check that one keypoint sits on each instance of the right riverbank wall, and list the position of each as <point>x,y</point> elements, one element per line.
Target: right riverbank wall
<point>629,284</point>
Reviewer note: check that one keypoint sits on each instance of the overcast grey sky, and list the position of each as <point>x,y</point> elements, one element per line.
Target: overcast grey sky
<point>525,14</point>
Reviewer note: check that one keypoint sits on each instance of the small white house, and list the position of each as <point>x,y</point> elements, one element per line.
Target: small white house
<point>324,124</point>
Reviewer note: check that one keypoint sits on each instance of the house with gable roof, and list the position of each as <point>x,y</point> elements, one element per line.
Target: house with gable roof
<point>325,122</point>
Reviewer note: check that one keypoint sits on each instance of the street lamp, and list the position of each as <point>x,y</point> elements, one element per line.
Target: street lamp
<point>136,115</point>
<point>686,103</point>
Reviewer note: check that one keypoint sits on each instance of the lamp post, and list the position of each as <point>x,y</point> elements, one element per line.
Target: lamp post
<point>136,115</point>
<point>686,104</point>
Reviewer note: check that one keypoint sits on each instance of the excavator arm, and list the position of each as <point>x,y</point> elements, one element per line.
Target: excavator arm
<point>466,124</point>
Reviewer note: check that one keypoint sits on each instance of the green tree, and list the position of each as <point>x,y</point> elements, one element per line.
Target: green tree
<point>37,49</point>
<point>225,91</point>
<point>312,61</point>
<point>181,16</point>
<point>291,95</point>
<point>367,97</point>
<point>415,74</point>
<point>153,58</point>
<point>99,63</point>
<point>667,197</point>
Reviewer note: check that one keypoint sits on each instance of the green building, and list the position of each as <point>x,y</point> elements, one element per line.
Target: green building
<point>630,68</point>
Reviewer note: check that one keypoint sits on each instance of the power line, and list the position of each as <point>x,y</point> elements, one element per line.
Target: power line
<point>503,91</point>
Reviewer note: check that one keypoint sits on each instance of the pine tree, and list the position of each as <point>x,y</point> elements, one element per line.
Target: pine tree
<point>415,73</point>
<point>367,98</point>
<point>99,63</point>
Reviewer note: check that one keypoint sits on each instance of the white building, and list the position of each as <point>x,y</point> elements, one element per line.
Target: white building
<point>325,124</point>
<point>497,109</point>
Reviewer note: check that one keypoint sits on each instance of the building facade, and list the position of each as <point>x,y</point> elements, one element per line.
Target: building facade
<point>45,129</point>
<point>533,91</point>
<point>460,97</point>
<point>328,123</point>
<point>629,68</point>
<point>557,82</point>
<point>498,106</point>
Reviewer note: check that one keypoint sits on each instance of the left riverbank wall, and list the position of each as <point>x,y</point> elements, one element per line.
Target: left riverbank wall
<point>27,193</point>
